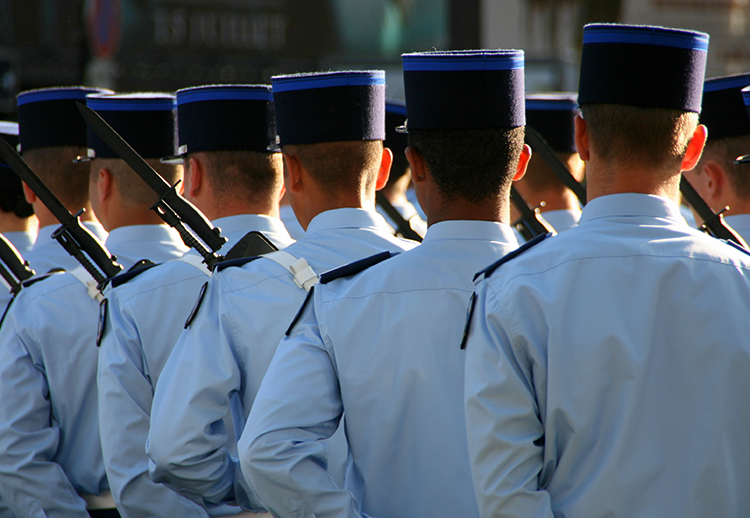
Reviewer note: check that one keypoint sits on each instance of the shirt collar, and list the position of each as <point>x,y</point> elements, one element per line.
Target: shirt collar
<point>631,204</point>
<point>235,227</point>
<point>347,218</point>
<point>149,233</point>
<point>471,230</point>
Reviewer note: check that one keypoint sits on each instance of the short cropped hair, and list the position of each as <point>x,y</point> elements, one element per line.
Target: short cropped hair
<point>724,151</point>
<point>67,180</point>
<point>340,166</point>
<point>473,165</point>
<point>625,134</point>
<point>248,175</point>
<point>133,189</point>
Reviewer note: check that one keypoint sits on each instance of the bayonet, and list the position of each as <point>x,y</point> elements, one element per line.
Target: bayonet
<point>531,223</point>
<point>195,229</point>
<point>713,222</point>
<point>72,235</point>
<point>403,227</point>
<point>14,270</point>
<point>541,147</point>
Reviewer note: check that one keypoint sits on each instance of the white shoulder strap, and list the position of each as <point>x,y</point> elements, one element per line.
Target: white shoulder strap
<point>303,274</point>
<point>197,261</point>
<point>87,280</point>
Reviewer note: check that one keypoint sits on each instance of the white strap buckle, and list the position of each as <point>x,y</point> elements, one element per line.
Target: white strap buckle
<point>303,274</point>
<point>87,280</point>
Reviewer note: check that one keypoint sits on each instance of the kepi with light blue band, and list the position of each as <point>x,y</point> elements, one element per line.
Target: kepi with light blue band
<point>225,118</point>
<point>145,120</point>
<point>472,89</point>
<point>646,66</point>
<point>745,159</point>
<point>330,107</point>
<point>48,117</point>
<point>553,116</point>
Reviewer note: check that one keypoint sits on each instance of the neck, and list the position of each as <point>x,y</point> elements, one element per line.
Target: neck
<point>9,222</point>
<point>605,179</point>
<point>437,209</point>
<point>554,199</point>
<point>227,208</point>
<point>395,193</point>
<point>128,216</point>
<point>46,218</point>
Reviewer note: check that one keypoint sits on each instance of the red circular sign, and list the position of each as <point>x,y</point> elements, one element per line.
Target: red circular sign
<point>104,19</point>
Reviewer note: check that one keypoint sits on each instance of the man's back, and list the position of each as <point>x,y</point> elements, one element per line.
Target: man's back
<point>392,335</point>
<point>625,341</point>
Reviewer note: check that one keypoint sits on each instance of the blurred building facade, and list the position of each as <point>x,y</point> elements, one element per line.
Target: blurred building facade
<point>168,44</point>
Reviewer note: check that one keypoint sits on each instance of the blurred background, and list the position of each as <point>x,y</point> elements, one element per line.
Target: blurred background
<point>163,45</point>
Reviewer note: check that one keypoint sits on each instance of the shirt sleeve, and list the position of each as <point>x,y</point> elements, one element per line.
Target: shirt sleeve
<point>504,429</point>
<point>31,483</point>
<point>187,442</point>
<point>297,407</point>
<point>125,397</point>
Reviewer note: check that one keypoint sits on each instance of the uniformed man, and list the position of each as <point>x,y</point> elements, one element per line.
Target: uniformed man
<point>381,348</point>
<point>606,369</point>
<point>406,217</point>
<point>17,221</point>
<point>225,132</point>
<point>49,432</point>
<point>720,182</point>
<point>552,116</point>
<point>331,127</point>
<point>52,134</point>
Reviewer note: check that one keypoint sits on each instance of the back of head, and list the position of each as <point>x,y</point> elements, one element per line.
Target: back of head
<point>52,134</point>
<point>147,122</point>
<point>552,115</point>
<point>334,122</point>
<point>232,129</point>
<point>640,92</point>
<point>466,118</point>
<point>728,128</point>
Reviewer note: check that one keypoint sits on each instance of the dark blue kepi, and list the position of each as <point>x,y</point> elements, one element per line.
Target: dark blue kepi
<point>330,106</point>
<point>472,89</point>
<point>637,65</point>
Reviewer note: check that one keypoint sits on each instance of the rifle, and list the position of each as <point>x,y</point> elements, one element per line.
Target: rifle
<point>713,223</point>
<point>531,223</point>
<point>540,146</point>
<point>14,270</point>
<point>176,211</point>
<point>402,225</point>
<point>72,235</point>
<point>194,228</point>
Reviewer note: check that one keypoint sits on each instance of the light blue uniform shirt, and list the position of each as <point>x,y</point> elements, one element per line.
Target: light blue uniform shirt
<point>562,219</point>
<point>228,347</point>
<point>607,371</point>
<point>47,253</point>
<point>381,348</point>
<point>49,431</point>
<point>287,216</point>
<point>22,240</point>
<point>145,318</point>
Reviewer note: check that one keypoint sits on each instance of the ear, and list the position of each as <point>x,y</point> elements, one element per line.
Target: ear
<point>385,168</point>
<point>194,180</point>
<point>28,193</point>
<point>695,148</point>
<point>523,162</point>
<point>716,180</point>
<point>293,175</point>
<point>417,164</point>
<point>104,185</point>
<point>582,139</point>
